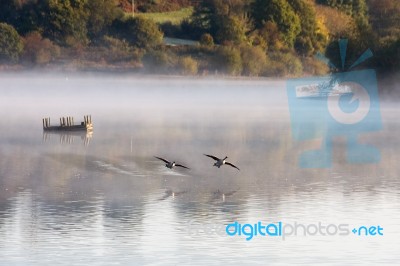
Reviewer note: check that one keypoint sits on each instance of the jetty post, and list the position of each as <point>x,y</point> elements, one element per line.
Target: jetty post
<point>67,123</point>
<point>46,122</point>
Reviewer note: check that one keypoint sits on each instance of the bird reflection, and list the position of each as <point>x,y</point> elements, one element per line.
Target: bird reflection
<point>170,193</point>
<point>222,195</point>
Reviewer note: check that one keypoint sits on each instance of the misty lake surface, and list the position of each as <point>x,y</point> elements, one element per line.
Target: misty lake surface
<point>103,199</point>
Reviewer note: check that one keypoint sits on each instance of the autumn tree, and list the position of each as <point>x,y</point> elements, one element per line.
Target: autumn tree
<point>279,12</point>
<point>226,21</point>
<point>65,22</point>
<point>231,30</point>
<point>385,17</point>
<point>139,32</point>
<point>11,45</point>
<point>101,14</point>
<point>351,7</point>
<point>39,50</point>
<point>310,39</point>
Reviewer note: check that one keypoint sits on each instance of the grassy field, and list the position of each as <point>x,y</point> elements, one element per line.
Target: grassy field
<point>175,17</point>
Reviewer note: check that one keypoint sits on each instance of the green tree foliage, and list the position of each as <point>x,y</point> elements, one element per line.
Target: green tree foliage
<point>187,65</point>
<point>385,22</point>
<point>387,57</point>
<point>254,60</point>
<point>385,17</point>
<point>23,15</point>
<point>283,64</point>
<point>310,38</point>
<point>259,37</point>
<point>256,40</point>
<point>360,9</point>
<point>228,60</point>
<point>139,32</point>
<point>269,33</point>
<point>65,21</point>
<point>313,66</point>
<point>356,8</point>
<point>280,13</point>
<point>224,20</point>
<point>101,15</point>
<point>11,45</point>
<point>115,50</point>
<point>159,61</point>
<point>155,5</point>
<point>204,18</point>
<point>231,30</point>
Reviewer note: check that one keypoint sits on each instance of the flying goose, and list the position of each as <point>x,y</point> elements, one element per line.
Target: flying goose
<point>171,165</point>
<point>220,162</point>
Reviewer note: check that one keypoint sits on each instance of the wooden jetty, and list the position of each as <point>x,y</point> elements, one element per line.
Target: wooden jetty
<point>68,124</point>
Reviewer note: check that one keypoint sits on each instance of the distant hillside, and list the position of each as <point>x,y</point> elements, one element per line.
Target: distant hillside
<point>278,38</point>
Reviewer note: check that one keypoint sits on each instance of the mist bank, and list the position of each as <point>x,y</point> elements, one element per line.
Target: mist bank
<point>388,84</point>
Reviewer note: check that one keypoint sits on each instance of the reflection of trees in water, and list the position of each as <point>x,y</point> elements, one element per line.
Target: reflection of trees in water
<point>6,206</point>
<point>36,217</point>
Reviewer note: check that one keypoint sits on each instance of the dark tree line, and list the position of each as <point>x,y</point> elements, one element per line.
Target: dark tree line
<point>281,36</point>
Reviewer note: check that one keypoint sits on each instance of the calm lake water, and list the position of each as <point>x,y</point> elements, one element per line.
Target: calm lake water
<point>103,199</point>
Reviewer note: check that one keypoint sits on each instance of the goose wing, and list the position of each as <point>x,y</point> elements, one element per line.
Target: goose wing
<point>213,157</point>
<point>161,159</point>
<point>232,165</point>
<point>179,165</point>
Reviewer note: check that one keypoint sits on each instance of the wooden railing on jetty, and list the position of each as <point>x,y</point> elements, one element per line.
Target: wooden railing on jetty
<point>68,124</point>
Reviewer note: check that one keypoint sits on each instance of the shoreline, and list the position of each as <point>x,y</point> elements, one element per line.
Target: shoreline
<point>389,81</point>
<point>130,74</point>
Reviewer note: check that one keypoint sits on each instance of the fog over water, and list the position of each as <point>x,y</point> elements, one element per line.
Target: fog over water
<point>103,199</point>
